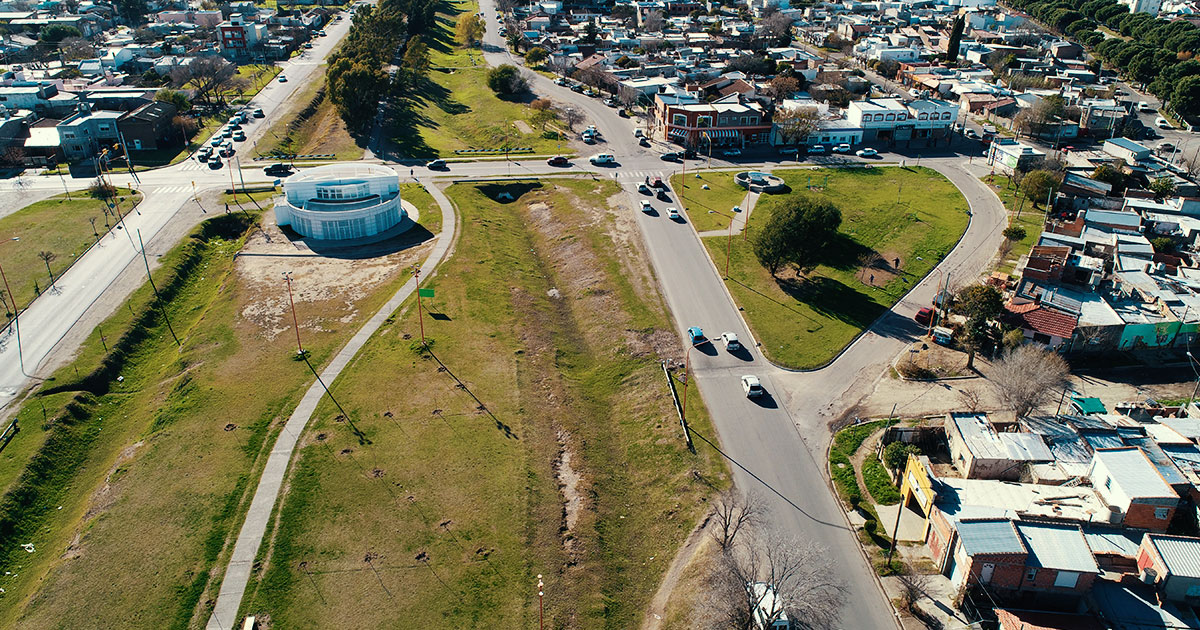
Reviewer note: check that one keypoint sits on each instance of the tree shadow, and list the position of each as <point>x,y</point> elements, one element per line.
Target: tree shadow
<point>832,299</point>
<point>508,192</point>
<point>844,253</point>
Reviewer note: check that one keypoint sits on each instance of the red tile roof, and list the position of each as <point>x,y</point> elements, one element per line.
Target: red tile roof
<point>1043,320</point>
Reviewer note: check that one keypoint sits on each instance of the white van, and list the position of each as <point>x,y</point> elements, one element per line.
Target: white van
<point>602,158</point>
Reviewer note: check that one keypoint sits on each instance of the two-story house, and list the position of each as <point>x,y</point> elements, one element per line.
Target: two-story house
<point>725,122</point>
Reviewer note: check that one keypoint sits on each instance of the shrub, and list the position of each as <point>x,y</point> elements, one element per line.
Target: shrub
<point>879,484</point>
<point>895,455</point>
<point>1014,233</point>
<point>506,80</point>
<point>101,189</point>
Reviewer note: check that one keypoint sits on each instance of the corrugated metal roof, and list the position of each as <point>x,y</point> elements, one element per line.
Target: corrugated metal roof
<point>987,537</point>
<point>1131,470</point>
<point>1187,427</point>
<point>1179,553</point>
<point>1112,541</point>
<point>1103,440</point>
<point>1060,547</point>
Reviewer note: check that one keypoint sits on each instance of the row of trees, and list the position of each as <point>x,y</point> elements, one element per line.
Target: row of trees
<point>1158,54</point>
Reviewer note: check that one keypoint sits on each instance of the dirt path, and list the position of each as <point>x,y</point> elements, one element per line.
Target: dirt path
<point>658,604</point>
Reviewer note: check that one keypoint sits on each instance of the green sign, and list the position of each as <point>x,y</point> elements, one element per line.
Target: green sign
<point>424,292</point>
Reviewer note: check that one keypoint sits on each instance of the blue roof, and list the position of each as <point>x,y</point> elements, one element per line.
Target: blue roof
<point>1127,144</point>
<point>988,537</point>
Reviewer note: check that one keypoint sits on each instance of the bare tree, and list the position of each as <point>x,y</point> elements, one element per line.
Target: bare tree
<point>1191,165</point>
<point>734,511</point>
<point>761,581</point>
<point>76,48</point>
<point>969,399</point>
<point>777,26</point>
<point>46,258</point>
<point>1027,378</point>
<point>208,76</point>
<point>572,117</point>
<point>913,586</point>
<point>796,125</point>
<point>653,22</point>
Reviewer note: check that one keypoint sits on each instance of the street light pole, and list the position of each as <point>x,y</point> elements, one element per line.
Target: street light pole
<point>541,606</point>
<point>287,276</point>
<point>16,314</point>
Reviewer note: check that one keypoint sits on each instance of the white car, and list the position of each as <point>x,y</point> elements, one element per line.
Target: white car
<point>752,386</point>
<point>602,158</point>
<point>842,148</point>
<point>731,152</point>
<point>646,207</point>
<point>1143,106</point>
<point>1162,123</point>
<point>788,151</point>
<point>731,341</point>
<point>865,153</point>
<point>673,213</point>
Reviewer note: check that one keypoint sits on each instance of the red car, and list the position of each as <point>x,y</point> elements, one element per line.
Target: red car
<point>924,316</point>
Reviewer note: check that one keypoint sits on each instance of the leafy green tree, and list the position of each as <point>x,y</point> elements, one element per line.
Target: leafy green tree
<point>1162,188</point>
<point>1185,98</point>
<point>1014,233</point>
<point>798,232</point>
<point>1038,184</point>
<point>133,12</point>
<point>1111,175</point>
<point>416,57</point>
<point>55,33</point>
<point>174,97</point>
<point>980,301</point>
<point>470,29</point>
<point>1163,244</point>
<point>506,80</point>
<point>356,90</point>
<point>895,455</point>
<point>536,56</point>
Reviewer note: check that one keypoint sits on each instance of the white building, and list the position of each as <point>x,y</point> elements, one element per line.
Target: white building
<point>1143,6</point>
<point>341,201</point>
<point>1010,155</point>
<point>891,119</point>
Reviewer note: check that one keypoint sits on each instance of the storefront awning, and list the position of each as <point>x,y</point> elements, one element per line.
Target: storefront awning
<point>719,134</point>
<point>677,133</point>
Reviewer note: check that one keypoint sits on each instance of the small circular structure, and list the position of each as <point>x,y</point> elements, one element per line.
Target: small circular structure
<point>755,181</point>
<point>340,202</point>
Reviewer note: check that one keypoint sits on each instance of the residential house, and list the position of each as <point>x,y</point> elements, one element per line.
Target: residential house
<point>1011,156</point>
<point>1131,486</point>
<point>149,127</point>
<point>1046,327</point>
<point>1172,565</point>
<point>979,451</point>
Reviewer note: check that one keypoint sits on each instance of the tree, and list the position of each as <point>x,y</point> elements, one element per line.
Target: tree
<point>1037,185</point>
<point>133,12</point>
<point>186,125</point>
<point>174,97</point>
<point>751,64</point>
<point>956,33</point>
<point>782,87</point>
<point>733,512</point>
<point>591,33</point>
<point>1163,244</point>
<point>207,76</point>
<point>46,258</point>
<point>470,29</point>
<point>1111,175</point>
<point>895,455</point>
<point>1162,188</point>
<point>799,574</point>
<point>506,80</point>
<point>542,113</point>
<point>980,303</point>
<point>572,117</point>
<point>75,48</point>
<point>416,57</point>
<point>798,231</point>
<point>653,22</point>
<point>56,33</point>
<point>778,27</point>
<point>536,56</point>
<point>1185,98</point>
<point>1014,233</point>
<point>796,124</point>
<point>356,89</point>
<point>1028,377</point>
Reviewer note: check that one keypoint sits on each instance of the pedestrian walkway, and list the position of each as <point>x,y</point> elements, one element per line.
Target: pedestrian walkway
<point>258,516</point>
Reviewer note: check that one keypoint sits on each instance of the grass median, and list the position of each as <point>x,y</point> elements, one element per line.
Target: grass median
<point>62,228</point>
<point>135,463</point>
<point>897,224</point>
<point>311,126</point>
<point>537,436</point>
<point>720,198</point>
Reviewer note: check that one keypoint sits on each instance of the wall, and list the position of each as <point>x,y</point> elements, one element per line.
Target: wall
<point>1143,516</point>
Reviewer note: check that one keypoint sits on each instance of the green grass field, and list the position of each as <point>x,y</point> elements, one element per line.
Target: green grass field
<point>171,452</point>
<point>57,225</point>
<point>454,109</point>
<point>547,336</point>
<point>1032,219</point>
<point>722,195</point>
<point>915,215</point>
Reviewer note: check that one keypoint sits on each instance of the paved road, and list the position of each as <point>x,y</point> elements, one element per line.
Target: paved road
<point>258,516</point>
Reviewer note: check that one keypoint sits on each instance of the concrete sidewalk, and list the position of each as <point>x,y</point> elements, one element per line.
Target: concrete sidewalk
<point>258,516</point>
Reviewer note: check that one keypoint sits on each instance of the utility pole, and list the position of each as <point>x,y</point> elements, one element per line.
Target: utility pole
<point>541,606</point>
<point>287,276</point>
<point>16,315</point>
<point>420,310</point>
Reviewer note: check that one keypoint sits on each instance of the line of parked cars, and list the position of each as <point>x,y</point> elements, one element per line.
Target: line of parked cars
<point>220,145</point>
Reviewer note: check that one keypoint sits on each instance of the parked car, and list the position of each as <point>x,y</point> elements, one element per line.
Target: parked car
<point>971,133</point>
<point>558,160</point>
<point>637,133</point>
<point>752,386</point>
<point>611,102</point>
<point>646,207</point>
<point>215,141</point>
<point>578,87</point>
<point>658,182</point>
<point>215,163</point>
<point>226,150</point>
<point>689,154</point>
<point>602,158</point>
<point>1162,123</point>
<point>842,148</point>
<point>696,336</point>
<point>282,78</point>
<point>560,81</point>
<point>1143,106</point>
<point>924,316</point>
<point>788,150</point>
<point>278,170</point>
<point>673,213</point>
<point>816,149</point>
<point>437,165</point>
<point>731,341</point>
<point>670,156</point>
<point>644,189</point>
<point>867,153</point>
<point>731,152</point>
<point>258,112</point>
<point>588,138</point>
<point>239,136</point>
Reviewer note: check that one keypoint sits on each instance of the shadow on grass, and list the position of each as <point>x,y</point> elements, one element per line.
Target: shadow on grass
<point>830,298</point>
<point>508,192</point>
<point>500,426</point>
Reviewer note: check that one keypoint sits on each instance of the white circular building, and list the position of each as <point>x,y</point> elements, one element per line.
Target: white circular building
<point>341,201</point>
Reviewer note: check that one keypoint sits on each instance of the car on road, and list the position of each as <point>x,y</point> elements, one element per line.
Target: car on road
<point>689,154</point>
<point>282,78</point>
<point>638,133</point>
<point>696,336</point>
<point>559,160</point>
<point>1143,106</point>
<point>1162,123</point>
<point>611,102</point>
<point>437,165</point>
<point>867,153</point>
<point>278,170</point>
<point>239,135</point>
<point>215,163</point>
<point>842,148</point>
<point>578,87</point>
<point>673,213</point>
<point>670,156</point>
<point>731,341</point>
<point>924,316</point>
<point>731,152</point>
<point>816,149</point>
<point>308,45</point>
<point>560,81</point>
<point>788,150</point>
<point>644,189</point>
<point>203,154</point>
<point>752,386</point>
<point>588,137</point>
<point>971,133</point>
<point>657,182</point>
<point>226,150</point>
<point>258,112</point>
<point>646,207</point>
<point>602,158</point>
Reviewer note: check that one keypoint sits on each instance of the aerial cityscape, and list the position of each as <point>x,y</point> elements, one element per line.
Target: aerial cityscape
<point>574,314</point>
